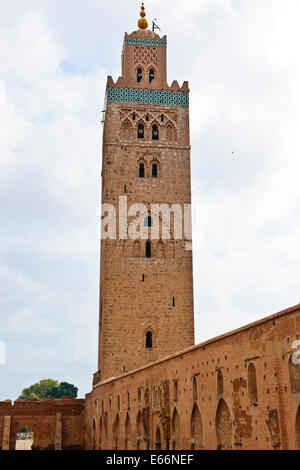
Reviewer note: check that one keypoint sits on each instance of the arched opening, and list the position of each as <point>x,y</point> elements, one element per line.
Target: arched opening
<point>139,74</point>
<point>24,438</point>
<point>136,249</point>
<point>158,439</point>
<point>141,170</point>
<point>141,131</point>
<point>101,434</point>
<point>298,428</point>
<point>149,340</point>
<point>154,170</point>
<point>148,221</point>
<point>128,400</point>
<point>94,433</point>
<point>195,390</point>
<point>160,251</point>
<point>294,370</point>
<point>116,432</point>
<point>196,429</point>
<point>175,390</point>
<point>128,444</point>
<point>126,129</point>
<point>223,426</point>
<point>148,249</point>
<point>140,431</point>
<point>151,75</point>
<point>220,383</point>
<point>155,133</point>
<point>252,385</point>
<point>170,133</point>
<point>175,430</point>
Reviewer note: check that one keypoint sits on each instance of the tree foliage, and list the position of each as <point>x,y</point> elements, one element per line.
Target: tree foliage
<point>49,388</point>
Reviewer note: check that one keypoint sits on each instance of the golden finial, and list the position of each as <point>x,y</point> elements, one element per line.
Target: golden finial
<point>143,23</point>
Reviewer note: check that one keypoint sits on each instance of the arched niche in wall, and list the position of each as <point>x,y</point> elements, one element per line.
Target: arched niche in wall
<point>223,426</point>
<point>175,430</point>
<point>252,385</point>
<point>196,428</point>
<point>128,442</point>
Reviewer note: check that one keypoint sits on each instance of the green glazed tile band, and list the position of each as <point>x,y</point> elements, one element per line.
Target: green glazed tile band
<point>133,95</point>
<point>145,42</point>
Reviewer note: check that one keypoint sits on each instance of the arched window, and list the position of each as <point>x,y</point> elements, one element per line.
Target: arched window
<point>141,131</point>
<point>139,75</point>
<point>154,170</point>
<point>148,221</point>
<point>220,386</point>
<point>252,385</point>
<point>151,75</point>
<point>195,390</point>
<point>155,134</point>
<point>142,170</point>
<point>149,340</point>
<point>148,249</point>
<point>175,390</point>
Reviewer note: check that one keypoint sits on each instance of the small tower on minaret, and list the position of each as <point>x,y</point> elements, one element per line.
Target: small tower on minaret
<point>146,285</point>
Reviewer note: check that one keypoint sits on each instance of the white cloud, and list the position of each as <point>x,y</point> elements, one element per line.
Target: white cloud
<point>243,65</point>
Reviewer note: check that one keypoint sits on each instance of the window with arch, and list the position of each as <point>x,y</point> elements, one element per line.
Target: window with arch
<point>155,133</point>
<point>128,400</point>
<point>195,390</point>
<point>220,386</point>
<point>252,385</point>
<point>139,74</point>
<point>154,170</point>
<point>151,75</point>
<point>148,249</point>
<point>141,131</point>
<point>149,340</point>
<point>175,390</point>
<point>141,170</point>
<point>148,221</point>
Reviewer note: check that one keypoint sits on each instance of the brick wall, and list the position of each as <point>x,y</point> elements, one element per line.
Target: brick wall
<point>237,391</point>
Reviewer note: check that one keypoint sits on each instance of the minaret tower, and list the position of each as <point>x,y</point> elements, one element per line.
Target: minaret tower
<point>146,285</point>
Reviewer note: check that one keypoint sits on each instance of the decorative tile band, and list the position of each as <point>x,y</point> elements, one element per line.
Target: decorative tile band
<point>145,42</point>
<point>133,95</point>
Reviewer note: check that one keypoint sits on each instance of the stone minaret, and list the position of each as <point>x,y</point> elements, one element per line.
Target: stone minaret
<point>146,286</point>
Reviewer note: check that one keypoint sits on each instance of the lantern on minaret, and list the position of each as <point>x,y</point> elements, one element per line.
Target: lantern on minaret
<point>142,22</point>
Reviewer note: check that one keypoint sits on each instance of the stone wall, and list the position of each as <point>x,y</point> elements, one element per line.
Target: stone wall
<point>57,424</point>
<point>238,391</point>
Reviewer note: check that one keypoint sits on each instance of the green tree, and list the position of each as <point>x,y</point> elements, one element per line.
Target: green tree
<point>39,390</point>
<point>64,390</point>
<point>49,388</point>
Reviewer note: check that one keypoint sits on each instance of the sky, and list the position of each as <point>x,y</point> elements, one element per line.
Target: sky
<point>242,61</point>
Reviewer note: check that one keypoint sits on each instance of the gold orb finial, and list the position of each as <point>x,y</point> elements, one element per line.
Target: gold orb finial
<point>143,23</point>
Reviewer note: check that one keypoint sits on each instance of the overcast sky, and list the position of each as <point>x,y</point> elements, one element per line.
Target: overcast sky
<point>242,60</point>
